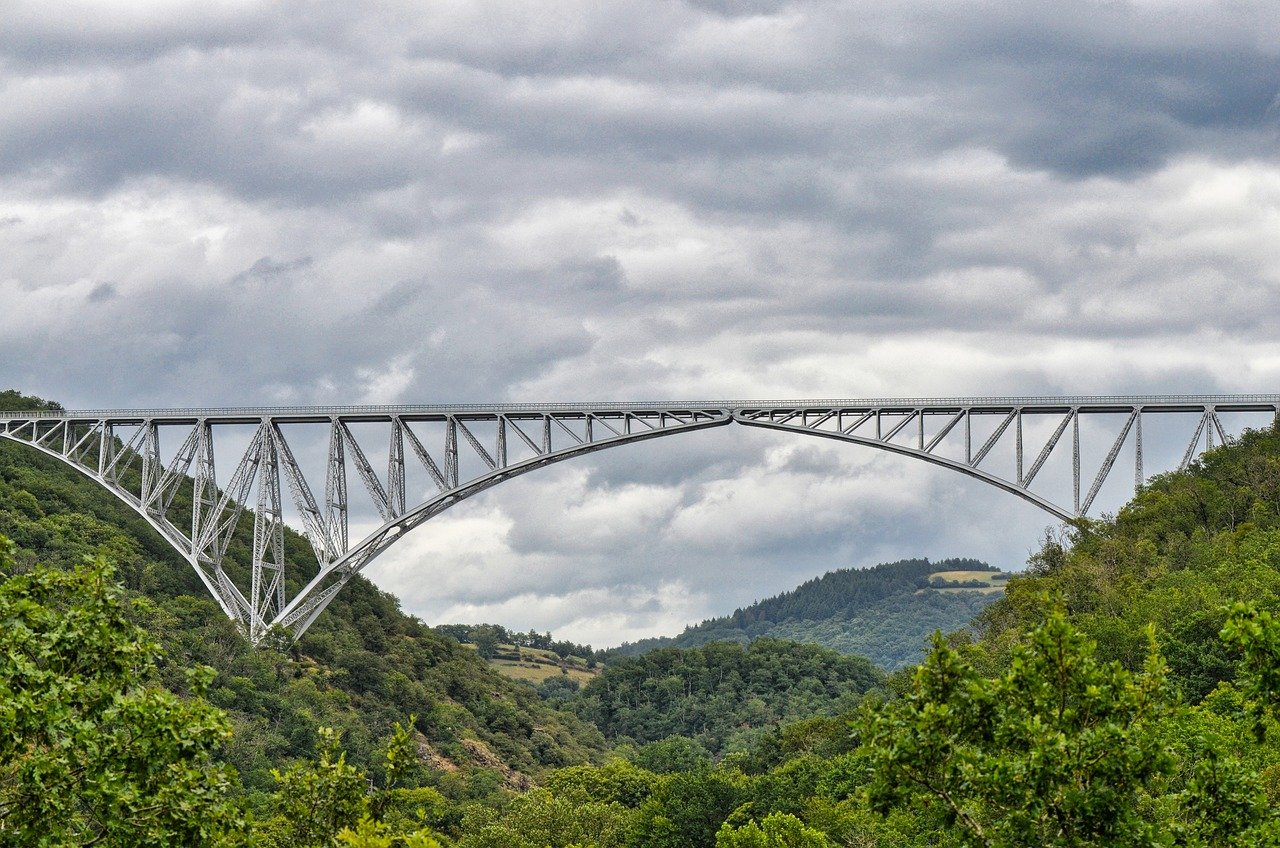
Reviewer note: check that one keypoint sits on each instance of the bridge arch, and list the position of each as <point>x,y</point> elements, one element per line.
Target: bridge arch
<point>105,444</point>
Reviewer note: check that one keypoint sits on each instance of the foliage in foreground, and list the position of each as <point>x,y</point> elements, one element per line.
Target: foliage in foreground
<point>1060,750</point>
<point>92,748</point>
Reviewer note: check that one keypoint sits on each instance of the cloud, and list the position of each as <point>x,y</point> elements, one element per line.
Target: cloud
<point>241,202</point>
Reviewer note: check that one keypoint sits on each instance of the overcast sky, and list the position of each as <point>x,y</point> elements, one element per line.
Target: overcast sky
<point>236,202</point>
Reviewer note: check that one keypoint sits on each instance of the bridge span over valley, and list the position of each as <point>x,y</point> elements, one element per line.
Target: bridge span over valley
<point>1055,452</point>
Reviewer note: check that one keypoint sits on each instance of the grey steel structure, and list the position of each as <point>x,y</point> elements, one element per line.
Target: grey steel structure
<point>462,450</point>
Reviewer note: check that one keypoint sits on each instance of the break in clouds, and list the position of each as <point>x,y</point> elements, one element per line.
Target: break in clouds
<point>224,203</point>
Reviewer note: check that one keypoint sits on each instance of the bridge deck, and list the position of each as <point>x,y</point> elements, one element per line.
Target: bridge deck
<point>427,412</point>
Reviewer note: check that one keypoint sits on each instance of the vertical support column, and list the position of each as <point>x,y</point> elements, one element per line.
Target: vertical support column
<point>1137,451</point>
<point>1075,458</point>
<point>1018,441</point>
<point>204,496</point>
<point>106,448</point>
<point>267,590</point>
<point>451,453</point>
<point>1208,431</point>
<point>151,466</point>
<point>920,428</point>
<point>500,449</point>
<point>335,491</point>
<point>968,437</point>
<point>395,468</point>
<point>546,434</point>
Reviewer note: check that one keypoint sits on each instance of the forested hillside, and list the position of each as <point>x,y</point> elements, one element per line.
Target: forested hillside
<point>722,695</point>
<point>885,613</point>
<point>1186,548</point>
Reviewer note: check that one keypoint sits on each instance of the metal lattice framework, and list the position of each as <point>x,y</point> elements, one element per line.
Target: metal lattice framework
<point>458,451</point>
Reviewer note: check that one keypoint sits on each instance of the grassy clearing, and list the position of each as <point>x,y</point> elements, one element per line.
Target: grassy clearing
<point>988,577</point>
<point>993,582</point>
<point>535,673</point>
<point>533,665</point>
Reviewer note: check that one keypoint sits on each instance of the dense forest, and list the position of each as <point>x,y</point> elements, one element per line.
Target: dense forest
<point>1122,693</point>
<point>722,695</point>
<point>885,613</point>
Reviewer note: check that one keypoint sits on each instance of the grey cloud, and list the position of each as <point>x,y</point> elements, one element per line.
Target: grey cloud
<point>740,7</point>
<point>1036,85</point>
<point>267,268</point>
<point>37,35</point>
<point>102,292</point>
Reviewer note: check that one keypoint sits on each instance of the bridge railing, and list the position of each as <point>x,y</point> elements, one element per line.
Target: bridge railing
<point>1256,401</point>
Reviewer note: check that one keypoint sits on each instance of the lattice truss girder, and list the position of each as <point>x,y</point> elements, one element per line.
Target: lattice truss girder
<point>413,464</point>
<point>453,456</point>
<point>954,436</point>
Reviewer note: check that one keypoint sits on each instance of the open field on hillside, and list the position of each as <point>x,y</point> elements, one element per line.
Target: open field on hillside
<point>533,665</point>
<point>993,581</point>
<point>535,673</point>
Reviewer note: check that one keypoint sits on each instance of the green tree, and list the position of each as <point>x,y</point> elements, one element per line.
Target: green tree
<point>538,819</point>
<point>372,834</point>
<point>1256,634</point>
<point>401,767</point>
<point>1059,751</point>
<point>687,810</point>
<point>92,749</point>
<point>487,640</point>
<point>676,754</point>
<point>616,781</point>
<point>778,830</point>
<point>317,799</point>
<point>1223,807</point>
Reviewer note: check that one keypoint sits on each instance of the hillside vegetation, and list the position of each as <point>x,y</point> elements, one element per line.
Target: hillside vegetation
<point>1187,547</point>
<point>885,613</point>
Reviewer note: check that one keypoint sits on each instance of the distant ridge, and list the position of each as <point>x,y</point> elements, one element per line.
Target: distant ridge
<point>885,613</point>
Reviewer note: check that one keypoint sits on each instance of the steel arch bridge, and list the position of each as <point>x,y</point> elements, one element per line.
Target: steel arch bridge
<point>459,451</point>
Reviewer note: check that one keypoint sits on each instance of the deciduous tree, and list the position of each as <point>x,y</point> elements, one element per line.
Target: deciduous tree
<point>92,749</point>
<point>1058,751</point>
